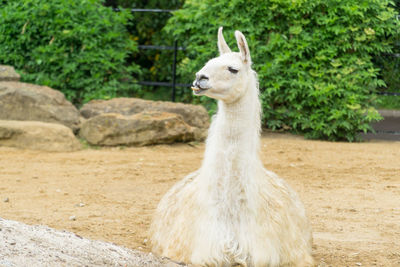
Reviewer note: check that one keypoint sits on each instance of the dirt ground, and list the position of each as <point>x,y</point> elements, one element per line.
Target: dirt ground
<point>351,192</point>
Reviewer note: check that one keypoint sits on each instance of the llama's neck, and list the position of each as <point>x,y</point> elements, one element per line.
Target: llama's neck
<point>237,125</point>
<point>232,146</point>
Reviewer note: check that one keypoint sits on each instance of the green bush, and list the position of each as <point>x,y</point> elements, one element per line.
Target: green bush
<point>313,57</point>
<point>77,46</point>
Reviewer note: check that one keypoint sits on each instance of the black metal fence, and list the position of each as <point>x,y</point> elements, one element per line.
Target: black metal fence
<point>174,47</point>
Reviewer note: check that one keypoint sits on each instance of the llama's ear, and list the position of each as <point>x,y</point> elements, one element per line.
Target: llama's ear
<point>243,47</point>
<point>222,45</point>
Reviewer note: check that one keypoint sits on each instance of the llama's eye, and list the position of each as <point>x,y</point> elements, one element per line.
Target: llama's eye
<point>232,70</point>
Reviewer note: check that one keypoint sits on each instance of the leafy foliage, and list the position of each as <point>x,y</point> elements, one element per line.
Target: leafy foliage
<point>313,57</point>
<point>77,46</point>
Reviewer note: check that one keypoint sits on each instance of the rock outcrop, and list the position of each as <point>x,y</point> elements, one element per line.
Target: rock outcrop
<point>37,136</point>
<point>28,102</point>
<point>26,245</point>
<point>145,128</point>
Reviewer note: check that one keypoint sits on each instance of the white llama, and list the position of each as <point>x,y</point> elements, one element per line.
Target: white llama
<point>232,211</point>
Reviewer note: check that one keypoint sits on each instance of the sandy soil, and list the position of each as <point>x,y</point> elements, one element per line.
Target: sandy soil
<point>351,192</point>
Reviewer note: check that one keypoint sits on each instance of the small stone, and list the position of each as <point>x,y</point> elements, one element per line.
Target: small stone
<point>72,218</point>
<point>80,205</point>
<point>145,241</point>
<point>358,263</point>
<point>6,199</point>
<point>8,73</point>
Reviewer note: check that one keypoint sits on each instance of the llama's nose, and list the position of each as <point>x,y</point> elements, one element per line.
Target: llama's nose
<point>201,80</point>
<point>200,76</point>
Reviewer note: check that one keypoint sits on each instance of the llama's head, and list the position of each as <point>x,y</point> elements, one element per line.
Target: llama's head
<point>226,77</point>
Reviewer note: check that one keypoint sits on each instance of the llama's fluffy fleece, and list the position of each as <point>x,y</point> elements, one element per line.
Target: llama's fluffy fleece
<point>232,210</point>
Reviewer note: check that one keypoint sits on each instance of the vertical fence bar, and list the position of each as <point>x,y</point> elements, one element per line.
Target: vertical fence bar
<point>174,71</point>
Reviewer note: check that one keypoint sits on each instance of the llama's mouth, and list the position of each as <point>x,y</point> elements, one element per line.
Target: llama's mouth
<point>198,90</point>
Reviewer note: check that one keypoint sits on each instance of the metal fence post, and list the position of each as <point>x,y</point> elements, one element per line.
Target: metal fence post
<point>174,71</point>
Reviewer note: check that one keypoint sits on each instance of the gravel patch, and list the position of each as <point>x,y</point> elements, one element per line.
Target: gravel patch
<point>26,245</point>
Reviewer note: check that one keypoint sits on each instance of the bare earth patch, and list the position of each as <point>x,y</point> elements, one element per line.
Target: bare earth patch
<point>351,192</point>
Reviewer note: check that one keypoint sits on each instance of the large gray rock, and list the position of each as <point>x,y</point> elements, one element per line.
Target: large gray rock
<point>8,73</point>
<point>28,102</point>
<point>194,115</point>
<point>145,128</point>
<point>37,136</point>
<point>26,245</point>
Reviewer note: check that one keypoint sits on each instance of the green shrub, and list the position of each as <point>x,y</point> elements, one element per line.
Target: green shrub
<point>313,57</point>
<point>77,46</point>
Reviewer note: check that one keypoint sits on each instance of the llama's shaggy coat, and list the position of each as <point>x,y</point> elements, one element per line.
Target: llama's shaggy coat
<point>232,210</point>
